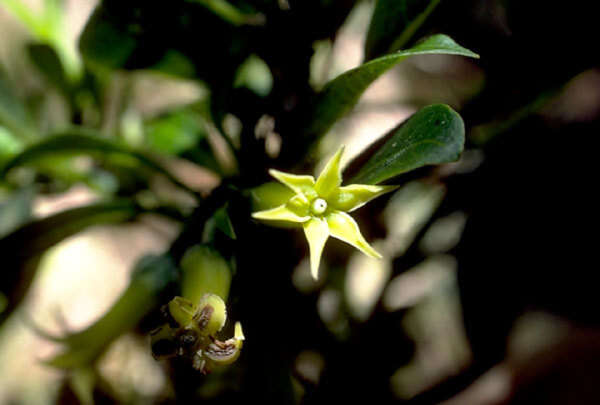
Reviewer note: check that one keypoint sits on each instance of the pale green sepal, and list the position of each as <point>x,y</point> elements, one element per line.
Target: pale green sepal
<point>354,196</point>
<point>281,213</point>
<point>238,332</point>
<point>342,226</point>
<point>317,232</point>
<point>331,176</point>
<point>301,184</point>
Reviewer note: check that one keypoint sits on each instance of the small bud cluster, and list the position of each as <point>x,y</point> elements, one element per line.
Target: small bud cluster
<point>190,331</point>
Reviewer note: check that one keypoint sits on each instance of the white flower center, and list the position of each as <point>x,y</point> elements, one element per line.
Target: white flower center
<point>319,206</point>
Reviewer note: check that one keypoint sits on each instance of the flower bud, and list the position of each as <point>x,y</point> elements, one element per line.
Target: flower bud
<point>210,315</point>
<point>204,271</point>
<point>181,311</point>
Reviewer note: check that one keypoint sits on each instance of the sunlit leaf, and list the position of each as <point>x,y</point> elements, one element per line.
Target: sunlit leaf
<point>20,250</point>
<point>152,275</point>
<point>433,135</point>
<point>343,92</point>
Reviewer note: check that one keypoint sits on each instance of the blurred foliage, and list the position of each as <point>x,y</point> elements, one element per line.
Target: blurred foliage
<point>179,110</point>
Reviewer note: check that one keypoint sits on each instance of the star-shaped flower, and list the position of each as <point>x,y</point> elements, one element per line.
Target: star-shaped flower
<point>321,208</point>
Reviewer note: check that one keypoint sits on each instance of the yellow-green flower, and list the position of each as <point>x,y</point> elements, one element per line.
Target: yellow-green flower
<point>321,208</point>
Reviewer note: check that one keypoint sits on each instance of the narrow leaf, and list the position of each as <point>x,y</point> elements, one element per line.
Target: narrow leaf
<point>394,23</point>
<point>78,141</point>
<point>223,222</point>
<point>152,275</point>
<point>21,249</point>
<point>433,135</point>
<point>343,92</point>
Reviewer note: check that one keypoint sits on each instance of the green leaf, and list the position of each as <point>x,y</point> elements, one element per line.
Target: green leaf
<point>22,249</point>
<point>151,277</point>
<point>223,222</point>
<point>394,23</point>
<point>15,210</point>
<point>9,145</point>
<point>45,58</point>
<point>182,133</point>
<point>343,92</point>
<point>433,135</point>
<point>13,113</point>
<point>78,141</point>
<point>228,12</point>
<point>105,42</point>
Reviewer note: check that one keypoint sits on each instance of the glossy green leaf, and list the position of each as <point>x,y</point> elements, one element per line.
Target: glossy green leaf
<point>343,92</point>
<point>77,141</point>
<point>152,276</point>
<point>394,23</point>
<point>433,135</point>
<point>21,249</point>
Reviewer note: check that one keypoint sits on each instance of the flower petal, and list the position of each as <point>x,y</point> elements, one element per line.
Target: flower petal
<point>317,232</point>
<point>342,226</point>
<point>301,184</point>
<point>331,176</point>
<point>281,213</point>
<point>354,196</point>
